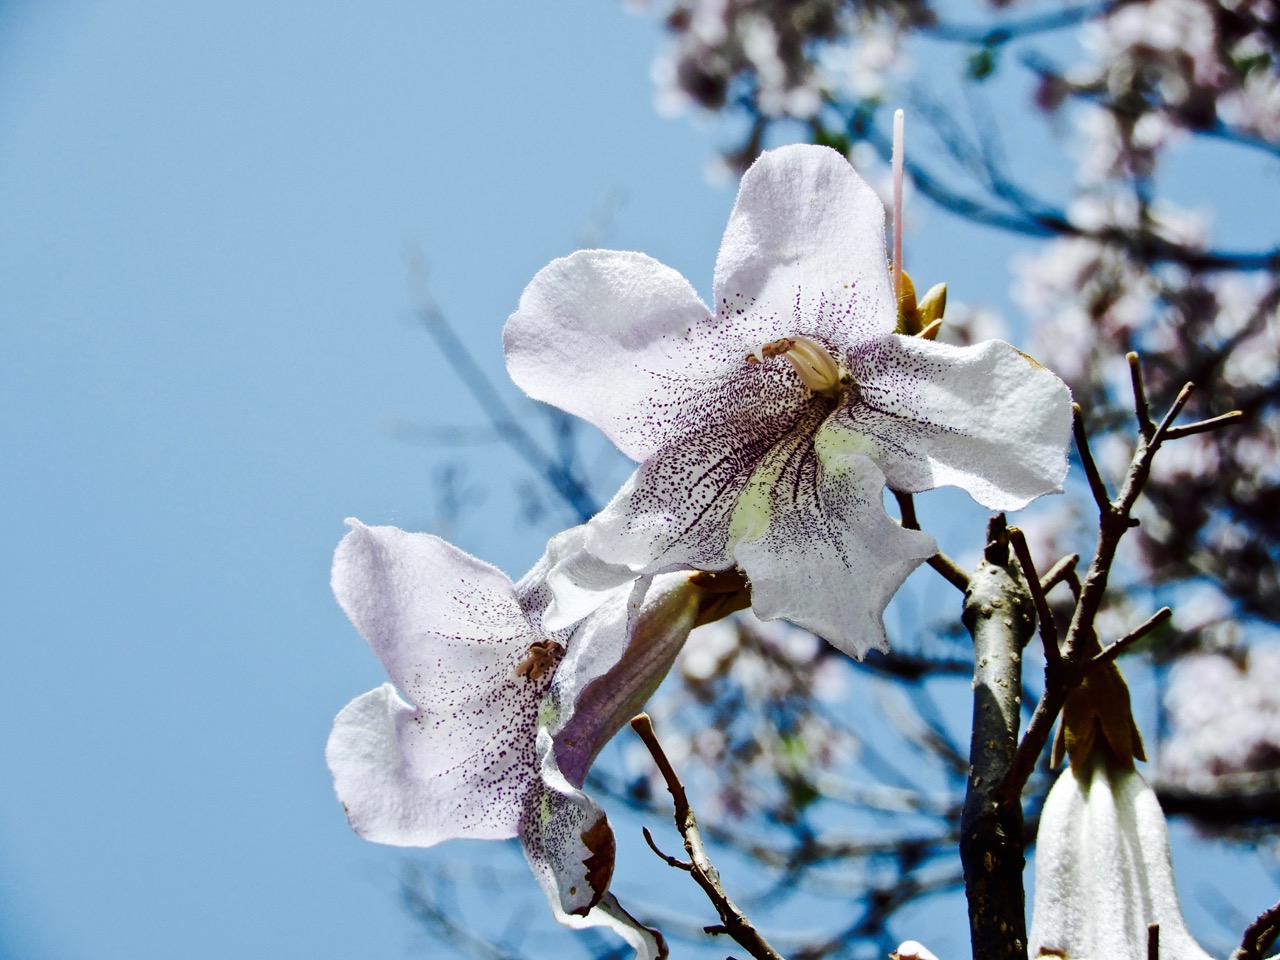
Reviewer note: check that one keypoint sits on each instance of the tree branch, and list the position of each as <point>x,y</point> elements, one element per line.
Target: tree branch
<point>999,614</point>
<point>734,921</point>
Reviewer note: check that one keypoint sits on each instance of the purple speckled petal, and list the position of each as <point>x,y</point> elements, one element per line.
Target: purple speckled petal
<point>675,510</point>
<point>985,418</point>
<point>817,546</point>
<point>456,757</point>
<point>624,342</point>
<point>570,848</point>
<point>476,750</point>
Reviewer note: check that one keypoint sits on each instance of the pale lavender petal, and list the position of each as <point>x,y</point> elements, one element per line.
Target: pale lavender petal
<point>370,775</point>
<point>570,848</point>
<point>985,418</point>
<point>450,633</point>
<point>648,943</point>
<point>819,549</point>
<point>615,663</point>
<point>805,247</point>
<point>566,838</point>
<point>580,581</point>
<point>599,333</point>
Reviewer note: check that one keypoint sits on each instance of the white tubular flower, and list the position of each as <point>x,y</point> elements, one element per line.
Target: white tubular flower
<point>1103,870</point>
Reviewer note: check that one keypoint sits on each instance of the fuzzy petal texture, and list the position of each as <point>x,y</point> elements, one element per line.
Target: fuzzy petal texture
<point>580,582</point>
<point>806,235</point>
<point>820,551</point>
<point>597,332</point>
<point>1103,871</point>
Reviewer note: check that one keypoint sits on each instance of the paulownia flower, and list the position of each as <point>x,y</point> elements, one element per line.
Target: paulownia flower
<point>1103,870</point>
<point>767,429</point>
<point>490,723</point>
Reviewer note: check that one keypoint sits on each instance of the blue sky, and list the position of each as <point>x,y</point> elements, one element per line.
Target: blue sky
<point>207,337</point>
<point>207,331</point>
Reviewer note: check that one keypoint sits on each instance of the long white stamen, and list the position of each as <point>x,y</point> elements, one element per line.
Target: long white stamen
<point>899,119</point>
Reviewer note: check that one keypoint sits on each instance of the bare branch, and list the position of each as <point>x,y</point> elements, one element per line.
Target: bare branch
<point>1204,426</point>
<point>1100,495</point>
<point>1048,629</point>
<point>736,924</point>
<point>1129,639</point>
<point>1061,571</point>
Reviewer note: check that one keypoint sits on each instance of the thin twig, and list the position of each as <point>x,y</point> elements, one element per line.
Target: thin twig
<point>1048,629</point>
<point>1153,941</point>
<point>1080,648</point>
<point>1162,431</point>
<point>1203,426</point>
<point>1063,570</point>
<point>1140,408</point>
<point>735,922</point>
<point>1129,639</point>
<point>676,862</point>
<point>1100,495</point>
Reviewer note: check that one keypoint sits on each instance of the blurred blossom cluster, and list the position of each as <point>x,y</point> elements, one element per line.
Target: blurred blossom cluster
<point>1170,64</point>
<point>766,696</point>
<point>1224,712</point>
<point>788,56</point>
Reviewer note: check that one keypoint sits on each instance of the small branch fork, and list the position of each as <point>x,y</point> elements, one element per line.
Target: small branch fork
<point>733,921</point>
<point>1068,661</point>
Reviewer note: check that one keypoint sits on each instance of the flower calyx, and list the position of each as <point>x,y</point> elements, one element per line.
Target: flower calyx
<point>921,317</point>
<point>1099,705</point>
<point>817,368</point>
<point>722,592</point>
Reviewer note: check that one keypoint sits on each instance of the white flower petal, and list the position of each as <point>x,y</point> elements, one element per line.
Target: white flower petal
<point>599,333</point>
<point>823,553</point>
<point>1103,871</point>
<point>800,356</point>
<point>459,757</point>
<point>807,230</point>
<point>985,418</point>
<point>647,942</point>
<point>580,581</point>
<point>566,838</point>
<point>913,950</point>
